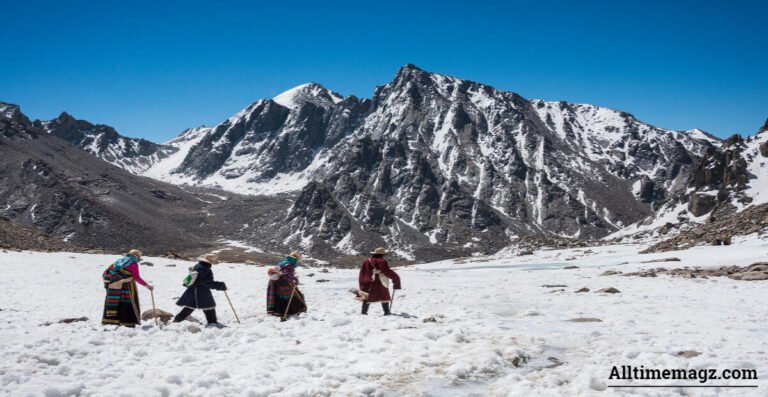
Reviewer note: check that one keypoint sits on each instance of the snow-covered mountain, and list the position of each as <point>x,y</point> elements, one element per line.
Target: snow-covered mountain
<point>272,146</point>
<point>134,155</point>
<point>436,166</point>
<point>433,161</point>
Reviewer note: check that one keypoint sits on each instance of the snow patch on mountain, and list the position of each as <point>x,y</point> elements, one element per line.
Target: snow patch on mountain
<point>163,170</point>
<point>8,110</point>
<point>313,92</point>
<point>703,135</point>
<point>757,168</point>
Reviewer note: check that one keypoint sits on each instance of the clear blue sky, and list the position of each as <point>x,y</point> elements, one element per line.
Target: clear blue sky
<point>152,70</point>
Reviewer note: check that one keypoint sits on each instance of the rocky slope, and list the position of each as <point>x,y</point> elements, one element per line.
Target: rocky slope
<point>717,230</point>
<point>16,236</point>
<point>725,181</point>
<point>66,194</point>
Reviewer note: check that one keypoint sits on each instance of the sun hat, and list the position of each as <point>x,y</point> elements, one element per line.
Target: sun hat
<point>295,254</point>
<point>209,258</point>
<point>136,253</point>
<point>379,251</point>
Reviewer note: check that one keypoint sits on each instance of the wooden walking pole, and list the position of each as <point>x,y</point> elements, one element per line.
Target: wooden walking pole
<point>293,292</point>
<point>232,306</point>
<point>154,309</point>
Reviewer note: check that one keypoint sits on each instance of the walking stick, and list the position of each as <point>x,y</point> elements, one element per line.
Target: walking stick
<point>293,292</point>
<point>232,306</point>
<point>392,300</point>
<point>154,309</point>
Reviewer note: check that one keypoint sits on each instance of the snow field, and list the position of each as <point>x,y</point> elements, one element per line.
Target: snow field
<point>495,328</point>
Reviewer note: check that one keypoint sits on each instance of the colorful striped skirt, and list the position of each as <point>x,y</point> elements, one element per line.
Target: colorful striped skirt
<point>279,296</point>
<point>121,306</point>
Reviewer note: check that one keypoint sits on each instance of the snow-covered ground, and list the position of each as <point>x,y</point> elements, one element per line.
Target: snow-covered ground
<point>490,314</point>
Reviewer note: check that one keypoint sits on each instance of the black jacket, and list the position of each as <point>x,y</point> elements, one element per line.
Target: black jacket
<point>198,295</point>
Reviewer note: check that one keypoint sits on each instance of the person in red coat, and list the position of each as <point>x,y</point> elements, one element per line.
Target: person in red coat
<point>374,281</point>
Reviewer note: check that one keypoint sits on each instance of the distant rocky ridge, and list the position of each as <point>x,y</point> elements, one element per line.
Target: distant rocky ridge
<point>135,155</point>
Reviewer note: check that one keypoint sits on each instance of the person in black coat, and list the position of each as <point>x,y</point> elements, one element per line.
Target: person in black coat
<point>198,295</point>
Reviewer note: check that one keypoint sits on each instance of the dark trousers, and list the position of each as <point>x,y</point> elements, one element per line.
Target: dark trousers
<point>210,315</point>
<point>384,305</point>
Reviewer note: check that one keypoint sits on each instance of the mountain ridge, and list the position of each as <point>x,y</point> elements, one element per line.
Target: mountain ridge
<point>437,166</point>
<point>330,149</point>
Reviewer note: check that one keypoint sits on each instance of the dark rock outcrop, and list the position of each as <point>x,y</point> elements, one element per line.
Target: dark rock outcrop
<point>721,167</point>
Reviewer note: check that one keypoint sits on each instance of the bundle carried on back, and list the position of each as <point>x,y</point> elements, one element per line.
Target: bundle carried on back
<point>190,278</point>
<point>274,273</point>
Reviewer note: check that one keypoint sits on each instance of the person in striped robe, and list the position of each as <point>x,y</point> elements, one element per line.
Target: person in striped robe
<point>283,296</point>
<point>121,306</point>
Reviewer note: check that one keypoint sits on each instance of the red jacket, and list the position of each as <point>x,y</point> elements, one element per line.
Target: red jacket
<point>377,291</point>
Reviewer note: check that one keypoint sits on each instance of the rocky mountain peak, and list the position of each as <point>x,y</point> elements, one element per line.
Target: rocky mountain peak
<point>65,117</point>
<point>10,111</point>
<point>733,141</point>
<point>15,124</point>
<point>75,131</point>
<point>412,85</point>
<point>311,92</point>
<point>764,128</point>
<point>409,72</point>
<point>409,67</point>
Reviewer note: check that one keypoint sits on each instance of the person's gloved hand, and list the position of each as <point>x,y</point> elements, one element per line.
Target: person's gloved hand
<point>223,286</point>
<point>150,287</point>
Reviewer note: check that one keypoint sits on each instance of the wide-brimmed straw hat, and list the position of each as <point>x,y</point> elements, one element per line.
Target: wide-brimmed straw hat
<point>209,258</point>
<point>295,254</point>
<point>379,251</point>
<point>136,253</point>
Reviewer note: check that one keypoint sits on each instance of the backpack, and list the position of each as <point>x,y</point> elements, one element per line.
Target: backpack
<point>191,278</point>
